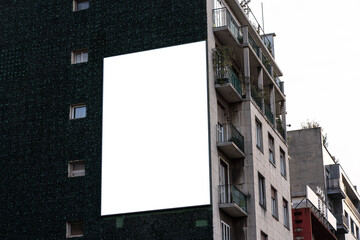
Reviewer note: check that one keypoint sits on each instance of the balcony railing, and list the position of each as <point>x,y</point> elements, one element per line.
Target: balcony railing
<point>342,223</point>
<point>231,199</point>
<point>267,65</point>
<point>228,133</point>
<point>334,188</point>
<point>232,78</point>
<point>269,114</point>
<point>254,46</point>
<point>256,97</point>
<point>223,18</point>
<point>280,129</point>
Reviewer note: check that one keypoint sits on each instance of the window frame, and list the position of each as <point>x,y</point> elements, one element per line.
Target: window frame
<point>271,143</point>
<point>263,236</point>
<point>73,108</point>
<point>225,231</point>
<point>78,173</point>
<point>262,190</point>
<point>274,203</point>
<point>83,52</point>
<point>69,226</point>
<point>76,5</point>
<point>286,213</point>
<point>282,163</point>
<point>258,133</point>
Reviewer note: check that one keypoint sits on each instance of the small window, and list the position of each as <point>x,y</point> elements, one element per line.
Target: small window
<point>274,204</point>
<point>77,111</point>
<point>76,168</point>
<point>74,229</point>
<point>352,226</point>
<point>357,232</point>
<point>271,150</point>
<point>286,213</point>
<point>282,163</point>
<point>262,195</point>
<point>258,134</point>
<point>346,218</point>
<point>79,56</point>
<point>263,236</point>
<point>80,5</point>
<point>225,229</point>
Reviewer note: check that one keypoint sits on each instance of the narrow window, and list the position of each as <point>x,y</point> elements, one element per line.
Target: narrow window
<point>346,218</point>
<point>74,229</point>
<point>286,213</point>
<point>352,226</point>
<point>225,229</point>
<point>258,134</point>
<point>79,56</point>
<point>80,5</point>
<point>357,232</point>
<point>274,208</point>
<point>76,169</point>
<point>263,236</point>
<point>262,199</point>
<point>282,163</point>
<point>271,150</point>
<point>77,111</point>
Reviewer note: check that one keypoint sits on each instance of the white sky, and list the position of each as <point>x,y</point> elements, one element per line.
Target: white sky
<point>316,47</point>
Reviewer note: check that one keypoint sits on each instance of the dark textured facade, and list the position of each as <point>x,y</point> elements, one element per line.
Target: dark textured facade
<point>38,83</point>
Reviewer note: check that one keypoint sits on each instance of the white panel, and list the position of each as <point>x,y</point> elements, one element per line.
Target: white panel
<point>331,219</point>
<point>312,197</point>
<point>155,152</point>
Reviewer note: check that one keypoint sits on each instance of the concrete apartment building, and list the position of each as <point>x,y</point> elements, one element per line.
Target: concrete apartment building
<point>311,164</point>
<point>84,83</point>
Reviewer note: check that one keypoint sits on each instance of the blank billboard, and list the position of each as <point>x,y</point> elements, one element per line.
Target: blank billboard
<point>155,147</point>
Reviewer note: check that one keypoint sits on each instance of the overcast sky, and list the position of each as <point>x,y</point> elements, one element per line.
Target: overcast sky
<point>316,47</point>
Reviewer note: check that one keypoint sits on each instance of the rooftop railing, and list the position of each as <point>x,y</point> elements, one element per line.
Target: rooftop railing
<point>231,194</point>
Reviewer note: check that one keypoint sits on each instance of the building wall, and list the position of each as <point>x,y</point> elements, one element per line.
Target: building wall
<point>38,85</point>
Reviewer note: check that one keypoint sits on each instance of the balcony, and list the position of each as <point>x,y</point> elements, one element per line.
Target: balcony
<point>226,28</point>
<point>230,141</point>
<point>232,201</point>
<point>334,190</point>
<point>230,86</point>
<point>256,96</point>
<point>342,224</point>
<point>269,115</point>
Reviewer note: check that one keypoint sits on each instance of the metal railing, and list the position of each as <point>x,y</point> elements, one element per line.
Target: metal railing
<point>267,65</point>
<point>226,132</point>
<point>342,220</point>
<point>280,129</point>
<point>232,78</point>
<point>223,18</point>
<point>254,46</point>
<point>269,115</point>
<point>255,96</point>
<point>333,184</point>
<point>231,194</point>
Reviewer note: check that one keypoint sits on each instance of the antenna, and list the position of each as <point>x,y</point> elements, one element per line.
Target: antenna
<point>262,16</point>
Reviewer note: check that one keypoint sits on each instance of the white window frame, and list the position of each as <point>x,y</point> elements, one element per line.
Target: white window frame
<point>282,163</point>
<point>77,2</point>
<point>68,229</point>
<point>76,173</point>
<point>259,141</point>
<point>73,111</point>
<point>286,213</point>
<point>225,231</point>
<point>262,190</point>
<point>84,56</point>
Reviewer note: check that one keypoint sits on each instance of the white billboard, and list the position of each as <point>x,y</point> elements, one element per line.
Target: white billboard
<point>155,152</point>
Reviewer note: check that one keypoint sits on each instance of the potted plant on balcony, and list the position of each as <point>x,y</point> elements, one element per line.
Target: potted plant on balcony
<point>223,58</point>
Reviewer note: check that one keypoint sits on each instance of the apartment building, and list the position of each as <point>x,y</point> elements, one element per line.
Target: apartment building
<point>314,169</point>
<point>141,120</point>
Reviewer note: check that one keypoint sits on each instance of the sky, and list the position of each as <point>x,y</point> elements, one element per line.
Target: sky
<point>316,47</point>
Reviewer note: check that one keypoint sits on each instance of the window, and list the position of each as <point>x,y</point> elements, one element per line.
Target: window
<point>274,207</point>
<point>77,111</point>
<point>80,5</point>
<point>220,130</point>
<point>352,226</point>
<point>286,213</point>
<point>262,199</point>
<point>346,218</point>
<point>263,236</point>
<point>225,229</point>
<point>282,163</point>
<point>74,229</point>
<point>76,169</point>
<point>79,56</point>
<point>357,232</point>
<point>258,134</point>
<point>271,150</point>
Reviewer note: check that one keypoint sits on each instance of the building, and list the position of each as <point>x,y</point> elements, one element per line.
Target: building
<point>338,197</point>
<point>141,120</point>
